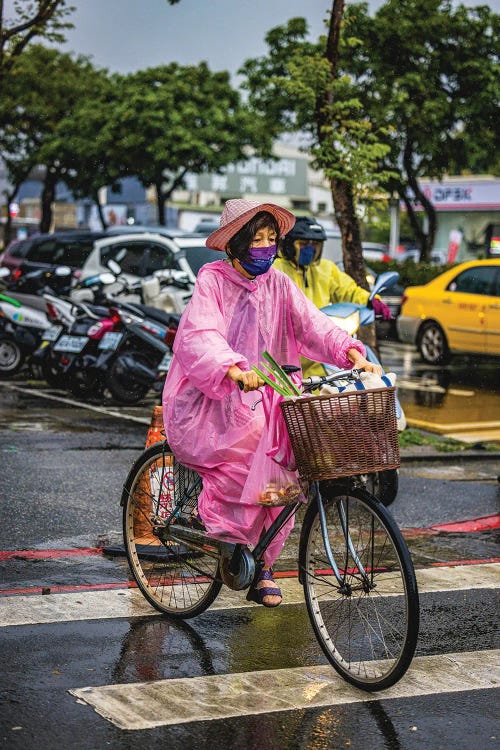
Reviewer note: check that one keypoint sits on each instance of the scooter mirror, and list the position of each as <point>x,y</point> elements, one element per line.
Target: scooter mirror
<point>114,267</point>
<point>107,278</point>
<point>384,281</point>
<point>63,271</point>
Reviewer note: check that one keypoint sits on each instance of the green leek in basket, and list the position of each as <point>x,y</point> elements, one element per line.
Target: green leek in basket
<point>276,377</point>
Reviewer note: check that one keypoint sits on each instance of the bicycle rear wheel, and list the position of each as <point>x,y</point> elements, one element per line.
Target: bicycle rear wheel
<point>174,578</point>
<point>368,625</point>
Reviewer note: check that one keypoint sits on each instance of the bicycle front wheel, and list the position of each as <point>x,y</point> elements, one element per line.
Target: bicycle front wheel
<point>366,623</point>
<point>174,578</point>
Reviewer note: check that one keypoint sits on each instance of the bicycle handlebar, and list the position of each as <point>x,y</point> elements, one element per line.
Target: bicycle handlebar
<point>315,380</point>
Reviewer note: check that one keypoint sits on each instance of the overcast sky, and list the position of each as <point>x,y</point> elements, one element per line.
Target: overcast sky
<point>128,35</point>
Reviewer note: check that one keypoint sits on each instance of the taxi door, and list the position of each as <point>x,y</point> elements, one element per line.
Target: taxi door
<point>465,306</point>
<point>493,317</point>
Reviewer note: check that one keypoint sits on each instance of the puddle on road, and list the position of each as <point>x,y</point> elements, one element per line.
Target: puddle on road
<point>23,412</point>
<point>467,390</point>
<point>448,547</point>
<point>41,423</point>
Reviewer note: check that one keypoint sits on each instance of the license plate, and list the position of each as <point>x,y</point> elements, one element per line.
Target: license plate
<point>110,340</point>
<point>72,344</point>
<point>165,363</point>
<point>51,333</point>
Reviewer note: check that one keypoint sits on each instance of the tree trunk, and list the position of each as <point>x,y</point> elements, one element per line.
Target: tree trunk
<point>102,218</point>
<point>160,202</point>
<point>347,220</point>
<point>425,239</point>
<point>47,199</point>
<point>342,192</point>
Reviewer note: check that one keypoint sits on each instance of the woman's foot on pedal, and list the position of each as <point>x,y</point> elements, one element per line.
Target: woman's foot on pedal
<point>268,593</point>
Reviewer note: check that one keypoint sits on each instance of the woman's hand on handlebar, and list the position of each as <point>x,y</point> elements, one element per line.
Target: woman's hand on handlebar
<point>247,380</point>
<point>361,363</point>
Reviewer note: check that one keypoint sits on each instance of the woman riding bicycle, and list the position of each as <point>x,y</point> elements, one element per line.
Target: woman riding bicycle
<point>240,308</point>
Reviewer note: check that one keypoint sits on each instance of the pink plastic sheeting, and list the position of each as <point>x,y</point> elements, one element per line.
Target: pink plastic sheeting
<point>212,426</point>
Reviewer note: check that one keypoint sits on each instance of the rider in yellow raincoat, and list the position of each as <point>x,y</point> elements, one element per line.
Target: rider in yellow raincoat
<point>320,279</point>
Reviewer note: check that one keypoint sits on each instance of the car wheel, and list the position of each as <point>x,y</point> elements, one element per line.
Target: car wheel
<point>432,344</point>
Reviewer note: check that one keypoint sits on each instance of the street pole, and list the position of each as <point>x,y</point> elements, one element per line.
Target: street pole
<point>394,230</point>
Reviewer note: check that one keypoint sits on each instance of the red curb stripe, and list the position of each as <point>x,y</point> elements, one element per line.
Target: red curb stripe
<point>458,563</point>
<point>46,554</point>
<point>474,524</point>
<point>483,523</point>
<point>70,589</point>
<point>132,585</point>
<point>450,564</point>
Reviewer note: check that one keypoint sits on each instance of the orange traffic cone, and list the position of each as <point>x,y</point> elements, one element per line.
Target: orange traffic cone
<point>142,524</point>
<point>156,432</point>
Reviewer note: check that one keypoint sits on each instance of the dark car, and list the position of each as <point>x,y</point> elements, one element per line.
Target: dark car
<point>44,250</point>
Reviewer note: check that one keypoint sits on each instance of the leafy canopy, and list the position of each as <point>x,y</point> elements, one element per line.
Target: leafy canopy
<point>294,89</point>
<point>31,19</point>
<point>172,119</point>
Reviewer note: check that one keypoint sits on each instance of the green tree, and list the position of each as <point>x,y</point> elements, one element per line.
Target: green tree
<point>172,119</point>
<point>33,18</point>
<point>302,86</point>
<point>83,146</point>
<point>427,72</point>
<point>45,87</point>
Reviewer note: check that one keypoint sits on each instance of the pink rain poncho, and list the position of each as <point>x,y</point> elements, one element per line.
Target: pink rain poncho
<point>212,426</point>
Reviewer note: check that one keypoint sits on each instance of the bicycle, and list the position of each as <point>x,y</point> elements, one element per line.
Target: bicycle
<point>358,578</point>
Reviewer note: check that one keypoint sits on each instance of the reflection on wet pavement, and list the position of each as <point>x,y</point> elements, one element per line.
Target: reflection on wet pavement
<point>457,400</point>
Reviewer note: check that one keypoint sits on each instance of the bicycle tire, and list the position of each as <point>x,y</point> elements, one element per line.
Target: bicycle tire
<point>175,579</point>
<point>368,628</point>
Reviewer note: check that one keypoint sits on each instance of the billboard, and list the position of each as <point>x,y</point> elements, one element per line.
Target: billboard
<point>285,176</point>
<point>462,195</point>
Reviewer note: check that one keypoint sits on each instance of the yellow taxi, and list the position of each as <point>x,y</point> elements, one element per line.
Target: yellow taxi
<point>457,312</point>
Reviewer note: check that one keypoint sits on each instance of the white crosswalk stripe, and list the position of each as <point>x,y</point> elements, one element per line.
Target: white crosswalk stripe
<point>176,701</point>
<point>111,603</point>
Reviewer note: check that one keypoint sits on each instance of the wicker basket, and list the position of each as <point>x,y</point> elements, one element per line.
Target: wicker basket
<point>343,434</point>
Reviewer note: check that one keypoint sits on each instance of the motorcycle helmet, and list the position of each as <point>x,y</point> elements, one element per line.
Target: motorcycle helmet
<point>303,244</point>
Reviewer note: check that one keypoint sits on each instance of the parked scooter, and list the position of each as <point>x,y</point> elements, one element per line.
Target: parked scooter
<point>168,290</point>
<point>114,346</point>
<point>65,342</point>
<point>136,357</point>
<point>23,319</point>
<point>351,316</point>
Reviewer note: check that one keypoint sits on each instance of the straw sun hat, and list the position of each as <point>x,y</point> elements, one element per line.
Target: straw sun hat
<point>237,212</point>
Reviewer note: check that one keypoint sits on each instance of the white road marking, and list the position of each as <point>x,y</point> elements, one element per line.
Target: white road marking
<point>80,404</point>
<point>112,603</point>
<point>177,701</point>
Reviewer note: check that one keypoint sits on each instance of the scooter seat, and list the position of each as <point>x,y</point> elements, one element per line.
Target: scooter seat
<point>156,314</point>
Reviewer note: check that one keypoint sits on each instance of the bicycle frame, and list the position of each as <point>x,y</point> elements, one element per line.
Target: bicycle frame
<point>214,546</point>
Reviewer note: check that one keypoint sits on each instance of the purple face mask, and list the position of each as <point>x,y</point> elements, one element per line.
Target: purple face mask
<point>262,258</point>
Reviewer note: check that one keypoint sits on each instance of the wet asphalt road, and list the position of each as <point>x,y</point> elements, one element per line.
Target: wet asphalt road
<point>61,478</point>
